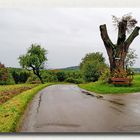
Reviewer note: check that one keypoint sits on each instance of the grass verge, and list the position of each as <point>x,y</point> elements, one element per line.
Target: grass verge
<point>12,110</point>
<point>104,88</point>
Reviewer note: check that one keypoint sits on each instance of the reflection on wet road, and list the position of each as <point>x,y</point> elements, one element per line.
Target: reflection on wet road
<point>67,108</point>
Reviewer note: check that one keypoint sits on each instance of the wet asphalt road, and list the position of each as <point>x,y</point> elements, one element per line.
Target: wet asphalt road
<point>67,108</point>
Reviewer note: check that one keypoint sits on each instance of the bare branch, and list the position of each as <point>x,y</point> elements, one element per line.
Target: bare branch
<point>121,32</point>
<point>105,37</point>
<point>132,36</point>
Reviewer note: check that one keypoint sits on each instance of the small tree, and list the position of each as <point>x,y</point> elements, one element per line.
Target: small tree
<point>90,71</point>
<point>34,60</point>
<point>92,65</point>
<point>97,56</point>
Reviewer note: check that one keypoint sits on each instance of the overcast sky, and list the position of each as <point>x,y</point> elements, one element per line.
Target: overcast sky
<point>67,33</point>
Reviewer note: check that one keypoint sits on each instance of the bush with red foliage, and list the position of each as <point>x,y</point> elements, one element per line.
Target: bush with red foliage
<point>5,77</point>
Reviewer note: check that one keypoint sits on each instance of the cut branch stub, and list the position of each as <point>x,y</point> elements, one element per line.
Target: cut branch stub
<point>131,37</point>
<point>122,32</point>
<point>105,37</point>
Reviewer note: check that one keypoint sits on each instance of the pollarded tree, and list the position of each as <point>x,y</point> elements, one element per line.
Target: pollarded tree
<point>118,52</point>
<point>34,59</point>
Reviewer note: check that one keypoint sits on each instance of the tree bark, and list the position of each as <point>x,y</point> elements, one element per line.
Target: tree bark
<point>108,45</point>
<point>121,32</point>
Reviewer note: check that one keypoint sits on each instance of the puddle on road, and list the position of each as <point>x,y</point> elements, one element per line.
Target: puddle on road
<point>87,93</point>
<point>116,102</point>
<point>92,95</point>
<point>116,109</point>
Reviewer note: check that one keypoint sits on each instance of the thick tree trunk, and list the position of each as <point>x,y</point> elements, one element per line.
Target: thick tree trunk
<point>117,53</point>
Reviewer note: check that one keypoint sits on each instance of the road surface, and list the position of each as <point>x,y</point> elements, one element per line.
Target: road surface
<point>67,108</point>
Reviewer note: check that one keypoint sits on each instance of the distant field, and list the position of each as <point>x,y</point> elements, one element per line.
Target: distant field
<point>102,88</point>
<point>9,91</point>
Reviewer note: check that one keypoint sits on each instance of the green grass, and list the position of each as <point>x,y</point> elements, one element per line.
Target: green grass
<point>12,110</point>
<point>102,88</point>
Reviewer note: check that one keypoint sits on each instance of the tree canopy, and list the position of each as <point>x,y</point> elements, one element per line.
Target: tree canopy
<point>97,56</point>
<point>34,59</point>
<point>92,66</point>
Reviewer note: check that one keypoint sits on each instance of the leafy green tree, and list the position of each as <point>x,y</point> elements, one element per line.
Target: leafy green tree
<point>92,66</point>
<point>97,56</point>
<point>34,59</point>
<point>90,71</point>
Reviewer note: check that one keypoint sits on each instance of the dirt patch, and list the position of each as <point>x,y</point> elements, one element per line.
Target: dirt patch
<point>6,95</point>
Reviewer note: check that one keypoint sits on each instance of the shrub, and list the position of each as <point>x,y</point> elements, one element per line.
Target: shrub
<point>120,74</point>
<point>61,76</point>
<point>92,66</point>
<point>23,76</point>
<point>90,72</point>
<point>105,76</point>
<point>49,76</point>
<point>75,81</point>
<point>20,77</point>
<point>33,79</point>
<point>15,76</point>
<point>5,76</point>
<point>76,74</point>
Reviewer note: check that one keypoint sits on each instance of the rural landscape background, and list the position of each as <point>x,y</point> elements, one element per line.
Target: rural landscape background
<point>66,48</point>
